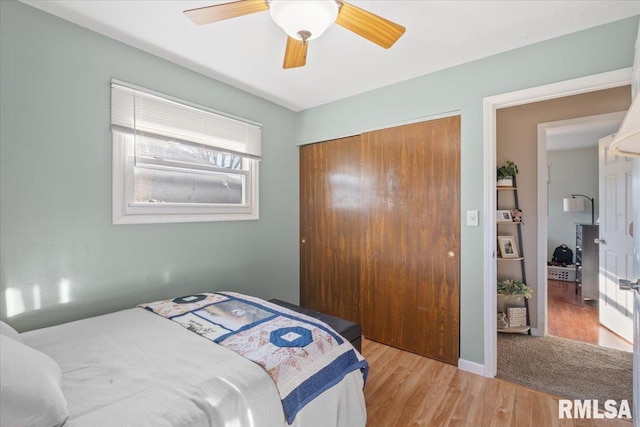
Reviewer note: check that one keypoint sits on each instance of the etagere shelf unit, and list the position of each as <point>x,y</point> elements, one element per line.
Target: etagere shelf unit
<point>513,227</point>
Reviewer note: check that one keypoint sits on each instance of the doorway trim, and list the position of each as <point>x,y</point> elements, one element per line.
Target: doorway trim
<point>544,129</point>
<point>491,104</point>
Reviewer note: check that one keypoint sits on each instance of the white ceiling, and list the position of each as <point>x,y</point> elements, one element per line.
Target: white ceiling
<point>247,52</point>
<point>582,136</point>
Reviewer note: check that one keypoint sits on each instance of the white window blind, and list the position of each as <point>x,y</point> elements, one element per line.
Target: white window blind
<point>147,113</point>
<point>174,161</point>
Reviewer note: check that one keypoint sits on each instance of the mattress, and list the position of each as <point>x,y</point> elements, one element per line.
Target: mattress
<point>134,368</point>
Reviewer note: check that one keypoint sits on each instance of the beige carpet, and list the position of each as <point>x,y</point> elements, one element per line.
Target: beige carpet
<point>565,368</point>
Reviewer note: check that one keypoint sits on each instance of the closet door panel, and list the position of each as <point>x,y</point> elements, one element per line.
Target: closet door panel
<point>410,219</point>
<point>330,227</point>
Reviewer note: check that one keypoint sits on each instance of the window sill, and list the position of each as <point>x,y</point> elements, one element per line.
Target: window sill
<point>119,218</point>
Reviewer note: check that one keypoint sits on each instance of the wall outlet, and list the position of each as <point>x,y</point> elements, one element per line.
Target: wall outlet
<point>472,218</point>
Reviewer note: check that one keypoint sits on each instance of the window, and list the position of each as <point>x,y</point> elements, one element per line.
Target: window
<point>177,162</point>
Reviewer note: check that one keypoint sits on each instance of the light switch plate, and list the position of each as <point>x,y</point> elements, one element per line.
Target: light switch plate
<point>472,218</point>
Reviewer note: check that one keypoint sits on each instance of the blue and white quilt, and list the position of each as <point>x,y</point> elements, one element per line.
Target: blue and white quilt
<point>303,355</point>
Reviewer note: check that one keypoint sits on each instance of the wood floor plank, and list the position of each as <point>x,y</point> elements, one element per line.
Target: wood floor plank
<point>405,389</point>
<point>569,318</point>
<point>424,400</point>
<point>497,403</point>
<point>467,411</point>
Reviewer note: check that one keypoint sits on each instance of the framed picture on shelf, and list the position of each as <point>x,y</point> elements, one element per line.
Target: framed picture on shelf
<point>507,246</point>
<point>504,216</point>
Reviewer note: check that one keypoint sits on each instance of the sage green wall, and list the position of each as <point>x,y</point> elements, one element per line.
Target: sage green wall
<point>462,89</point>
<point>55,184</point>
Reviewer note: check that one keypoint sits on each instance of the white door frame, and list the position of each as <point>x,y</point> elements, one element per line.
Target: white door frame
<point>491,105</point>
<point>544,129</point>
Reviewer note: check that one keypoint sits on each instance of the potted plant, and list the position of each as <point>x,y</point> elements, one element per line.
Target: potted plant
<point>506,173</point>
<point>511,293</point>
<point>514,287</point>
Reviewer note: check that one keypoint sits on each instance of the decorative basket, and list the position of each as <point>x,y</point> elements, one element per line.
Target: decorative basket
<point>517,316</point>
<point>566,274</point>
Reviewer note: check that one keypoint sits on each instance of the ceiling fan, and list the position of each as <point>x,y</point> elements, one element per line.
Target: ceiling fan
<point>305,20</point>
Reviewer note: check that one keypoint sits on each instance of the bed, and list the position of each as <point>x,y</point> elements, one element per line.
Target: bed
<point>168,364</point>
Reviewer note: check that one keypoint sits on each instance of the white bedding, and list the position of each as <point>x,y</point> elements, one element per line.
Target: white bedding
<point>134,368</point>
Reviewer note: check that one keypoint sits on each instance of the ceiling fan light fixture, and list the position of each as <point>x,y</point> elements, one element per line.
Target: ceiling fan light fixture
<point>304,16</point>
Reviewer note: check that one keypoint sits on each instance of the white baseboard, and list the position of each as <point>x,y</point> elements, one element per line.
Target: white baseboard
<point>478,368</point>
<point>469,366</point>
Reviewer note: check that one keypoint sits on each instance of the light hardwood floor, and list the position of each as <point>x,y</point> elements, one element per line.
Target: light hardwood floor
<point>404,389</point>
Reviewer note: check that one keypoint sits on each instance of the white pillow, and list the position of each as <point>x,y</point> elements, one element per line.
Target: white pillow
<point>30,393</point>
<point>8,331</point>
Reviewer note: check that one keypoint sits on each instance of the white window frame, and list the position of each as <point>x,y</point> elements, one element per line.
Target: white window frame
<point>127,211</point>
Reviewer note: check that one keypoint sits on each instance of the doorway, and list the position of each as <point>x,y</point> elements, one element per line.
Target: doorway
<point>571,167</point>
<point>492,105</point>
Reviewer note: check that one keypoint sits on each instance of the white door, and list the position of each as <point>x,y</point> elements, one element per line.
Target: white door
<point>635,89</point>
<point>616,243</point>
<point>636,256</point>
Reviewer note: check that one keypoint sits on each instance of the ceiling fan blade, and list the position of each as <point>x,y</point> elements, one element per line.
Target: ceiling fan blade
<point>372,27</point>
<point>296,53</point>
<point>220,12</point>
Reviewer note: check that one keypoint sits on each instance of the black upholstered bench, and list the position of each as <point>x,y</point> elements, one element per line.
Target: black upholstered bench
<point>349,330</point>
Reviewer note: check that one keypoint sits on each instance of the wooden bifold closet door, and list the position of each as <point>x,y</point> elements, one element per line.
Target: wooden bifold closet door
<point>380,234</point>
